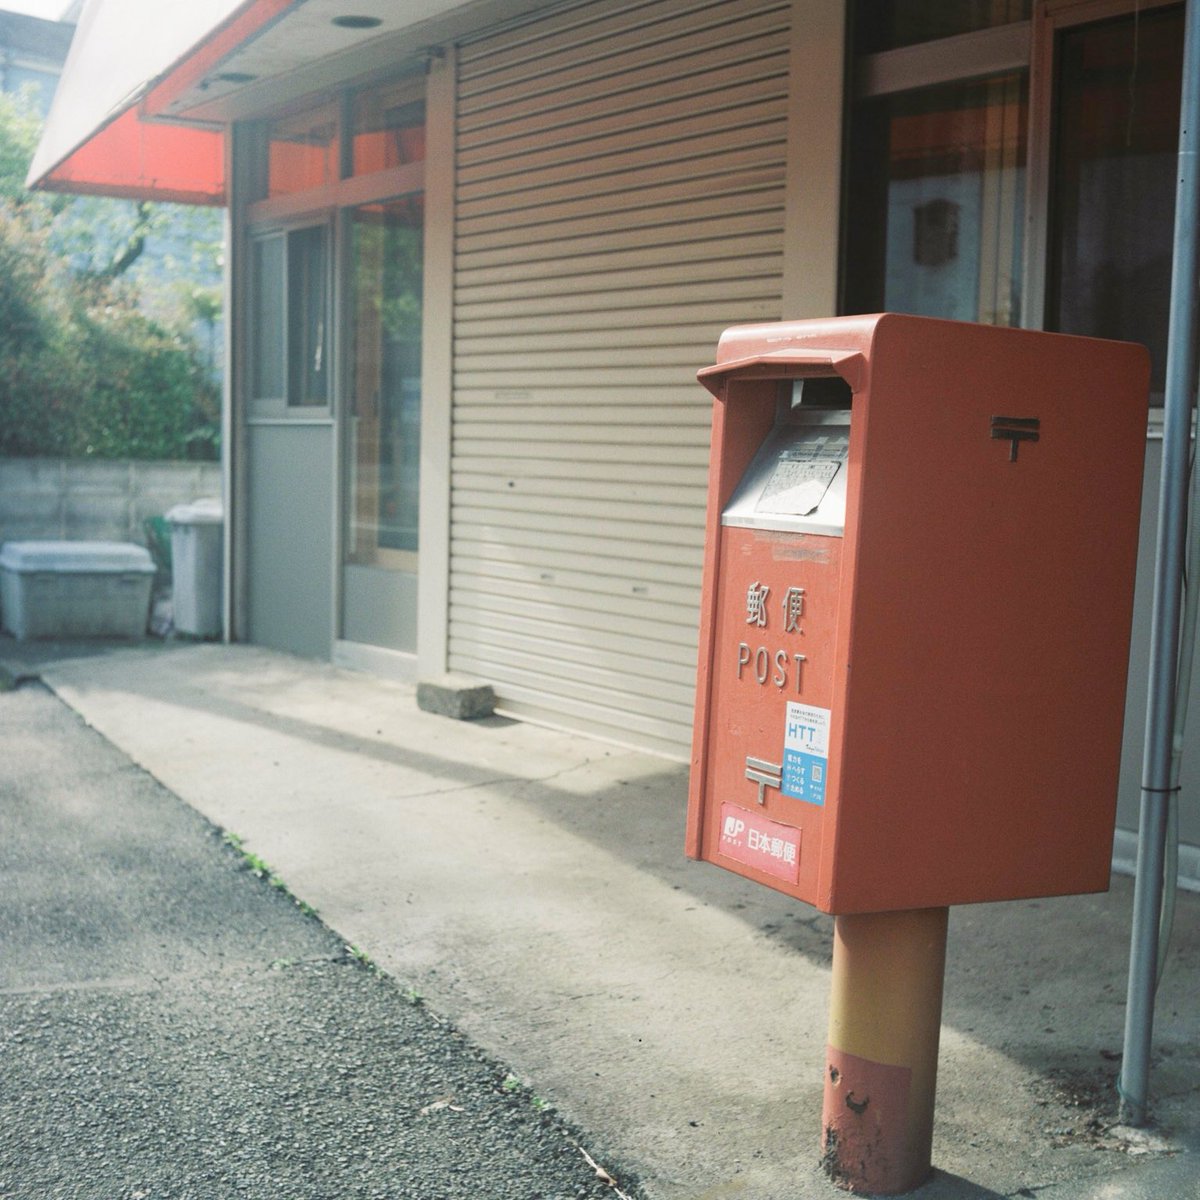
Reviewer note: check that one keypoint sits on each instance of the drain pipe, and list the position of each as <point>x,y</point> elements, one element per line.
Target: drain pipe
<point>1158,784</point>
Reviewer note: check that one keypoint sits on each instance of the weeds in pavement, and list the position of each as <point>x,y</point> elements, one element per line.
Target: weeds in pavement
<point>264,870</point>
<point>511,1085</point>
<point>361,957</point>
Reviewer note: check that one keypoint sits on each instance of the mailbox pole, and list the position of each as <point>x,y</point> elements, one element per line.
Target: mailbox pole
<point>885,1014</point>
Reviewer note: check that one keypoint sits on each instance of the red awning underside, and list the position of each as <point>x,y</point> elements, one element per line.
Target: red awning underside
<point>103,135</point>
<point>135,159</point>
<point>120,123</point>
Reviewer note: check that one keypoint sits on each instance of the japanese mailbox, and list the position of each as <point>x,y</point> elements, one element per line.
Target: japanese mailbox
<point>916,610</point>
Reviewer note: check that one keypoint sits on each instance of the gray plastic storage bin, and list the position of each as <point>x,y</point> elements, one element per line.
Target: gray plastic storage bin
<point>75,589</point>
<point>196,562</point>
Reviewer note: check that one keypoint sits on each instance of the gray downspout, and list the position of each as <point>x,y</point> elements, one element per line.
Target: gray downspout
<point>1133,1084</point>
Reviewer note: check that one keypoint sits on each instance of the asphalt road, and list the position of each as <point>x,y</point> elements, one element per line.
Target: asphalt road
<point>173,1024</point>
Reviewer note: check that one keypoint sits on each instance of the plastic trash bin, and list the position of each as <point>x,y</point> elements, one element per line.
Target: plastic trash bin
<point>196,562</point>
<point>75,589</point>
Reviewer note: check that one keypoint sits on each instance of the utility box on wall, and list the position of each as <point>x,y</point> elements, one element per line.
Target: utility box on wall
<point>918,590</point>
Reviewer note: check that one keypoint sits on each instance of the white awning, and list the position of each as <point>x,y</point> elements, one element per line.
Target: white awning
<point>94,141</point>
<point>149,87</point>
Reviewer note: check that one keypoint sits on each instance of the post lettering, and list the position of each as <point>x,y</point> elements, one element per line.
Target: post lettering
<point>771,664</point>
<point>743,657</point>
<point>779,679</point>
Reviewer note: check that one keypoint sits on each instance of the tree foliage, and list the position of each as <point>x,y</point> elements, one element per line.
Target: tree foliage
<point>86,367</point>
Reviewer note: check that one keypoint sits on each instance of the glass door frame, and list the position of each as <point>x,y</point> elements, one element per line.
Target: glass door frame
<point>399,559</point>
<point>380,660</point>
<point>1030,43</point>
<point>330,204</point>
<point>352,193</point>
<point>995,51</point>
<point>1051,18</point>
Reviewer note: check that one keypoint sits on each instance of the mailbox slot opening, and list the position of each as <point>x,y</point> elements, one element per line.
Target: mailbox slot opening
<point>796,482</point>
<point>821,391</point>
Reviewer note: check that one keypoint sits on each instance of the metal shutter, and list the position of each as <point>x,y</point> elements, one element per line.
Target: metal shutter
<point>620,201</point>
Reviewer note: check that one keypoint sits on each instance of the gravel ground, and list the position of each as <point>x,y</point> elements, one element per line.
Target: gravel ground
<point>173,1025</point>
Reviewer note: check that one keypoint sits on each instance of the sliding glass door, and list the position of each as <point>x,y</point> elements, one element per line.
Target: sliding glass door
<point>382,425</point>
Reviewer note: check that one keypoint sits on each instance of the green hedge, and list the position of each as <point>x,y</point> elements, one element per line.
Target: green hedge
<point>84,372</point>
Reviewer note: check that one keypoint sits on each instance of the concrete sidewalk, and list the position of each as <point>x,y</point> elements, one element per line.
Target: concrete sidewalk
<point>531,886</point>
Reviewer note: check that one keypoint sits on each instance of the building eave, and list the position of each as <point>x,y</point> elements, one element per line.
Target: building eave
<point>150,124</point>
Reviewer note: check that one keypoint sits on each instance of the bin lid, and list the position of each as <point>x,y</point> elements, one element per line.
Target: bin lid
<point>208,511</point>
<point>76,557</point>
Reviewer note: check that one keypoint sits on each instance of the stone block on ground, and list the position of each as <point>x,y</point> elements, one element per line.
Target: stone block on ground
<point>456,696</point>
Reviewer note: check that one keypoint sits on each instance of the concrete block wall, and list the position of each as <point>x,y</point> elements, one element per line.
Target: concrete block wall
<point>94,500</point>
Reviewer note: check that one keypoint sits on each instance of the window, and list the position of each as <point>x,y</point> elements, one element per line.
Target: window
<point>308,316</point>
<point>267,307</point>
<point>891,24</point>
<point>302,151</point>
<point>384,427</point>
<point>337,208</point>
<point>303,168</point>
<point>376,129</point>
<point>387,128</point>
<point>936,190</point>
<point>1112,187</point>
<point>289,320</point>
<point>936,201</point>
<point>974,130</point>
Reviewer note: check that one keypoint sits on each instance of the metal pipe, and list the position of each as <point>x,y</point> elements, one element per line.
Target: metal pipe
<point>885,1016</point>
<point>1164,636</point>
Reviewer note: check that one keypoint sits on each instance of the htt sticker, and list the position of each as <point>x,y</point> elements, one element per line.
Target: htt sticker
<point>805,752</point>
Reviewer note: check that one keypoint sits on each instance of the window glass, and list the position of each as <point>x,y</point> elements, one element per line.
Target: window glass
<point>890,24</point>
<point>384,433</point>
<point>388,127</point>
<point>1109,268</point>
<point>936,200</point>
<point>302,151</point>
<point>308,322</point>
<point>266,358</point>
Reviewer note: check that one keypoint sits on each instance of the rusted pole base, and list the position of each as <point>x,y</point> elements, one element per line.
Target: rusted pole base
<point>881,1062</point>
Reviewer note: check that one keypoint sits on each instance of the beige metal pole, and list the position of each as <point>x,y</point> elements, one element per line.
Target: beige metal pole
<point>881,1062</point>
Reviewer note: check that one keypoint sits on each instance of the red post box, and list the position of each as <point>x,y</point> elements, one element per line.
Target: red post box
<point>917,599</point>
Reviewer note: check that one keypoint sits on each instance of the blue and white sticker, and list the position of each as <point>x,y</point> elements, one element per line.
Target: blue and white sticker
<point>806,752</point>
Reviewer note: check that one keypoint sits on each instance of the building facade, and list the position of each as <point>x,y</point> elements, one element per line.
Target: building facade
<point>478,252</point>
<point>31,55</point>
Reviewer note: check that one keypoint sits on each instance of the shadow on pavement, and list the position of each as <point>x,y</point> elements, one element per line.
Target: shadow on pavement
<point>1041,982</point>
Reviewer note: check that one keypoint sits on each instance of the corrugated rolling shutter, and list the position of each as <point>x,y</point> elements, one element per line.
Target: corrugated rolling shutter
<point>620,201</point>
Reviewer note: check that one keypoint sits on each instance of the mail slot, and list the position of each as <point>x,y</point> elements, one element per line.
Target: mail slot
<point>918,587</point>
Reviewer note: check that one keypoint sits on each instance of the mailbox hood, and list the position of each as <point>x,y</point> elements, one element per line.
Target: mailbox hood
<point>794,349</point>
<point>790,361</point>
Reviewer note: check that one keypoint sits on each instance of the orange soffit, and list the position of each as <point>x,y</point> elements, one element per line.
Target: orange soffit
<point>131,158</point>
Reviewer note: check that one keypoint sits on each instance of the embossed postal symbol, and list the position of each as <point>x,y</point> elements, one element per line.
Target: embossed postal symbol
<point>756,604</point>
<point>793,609</point>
